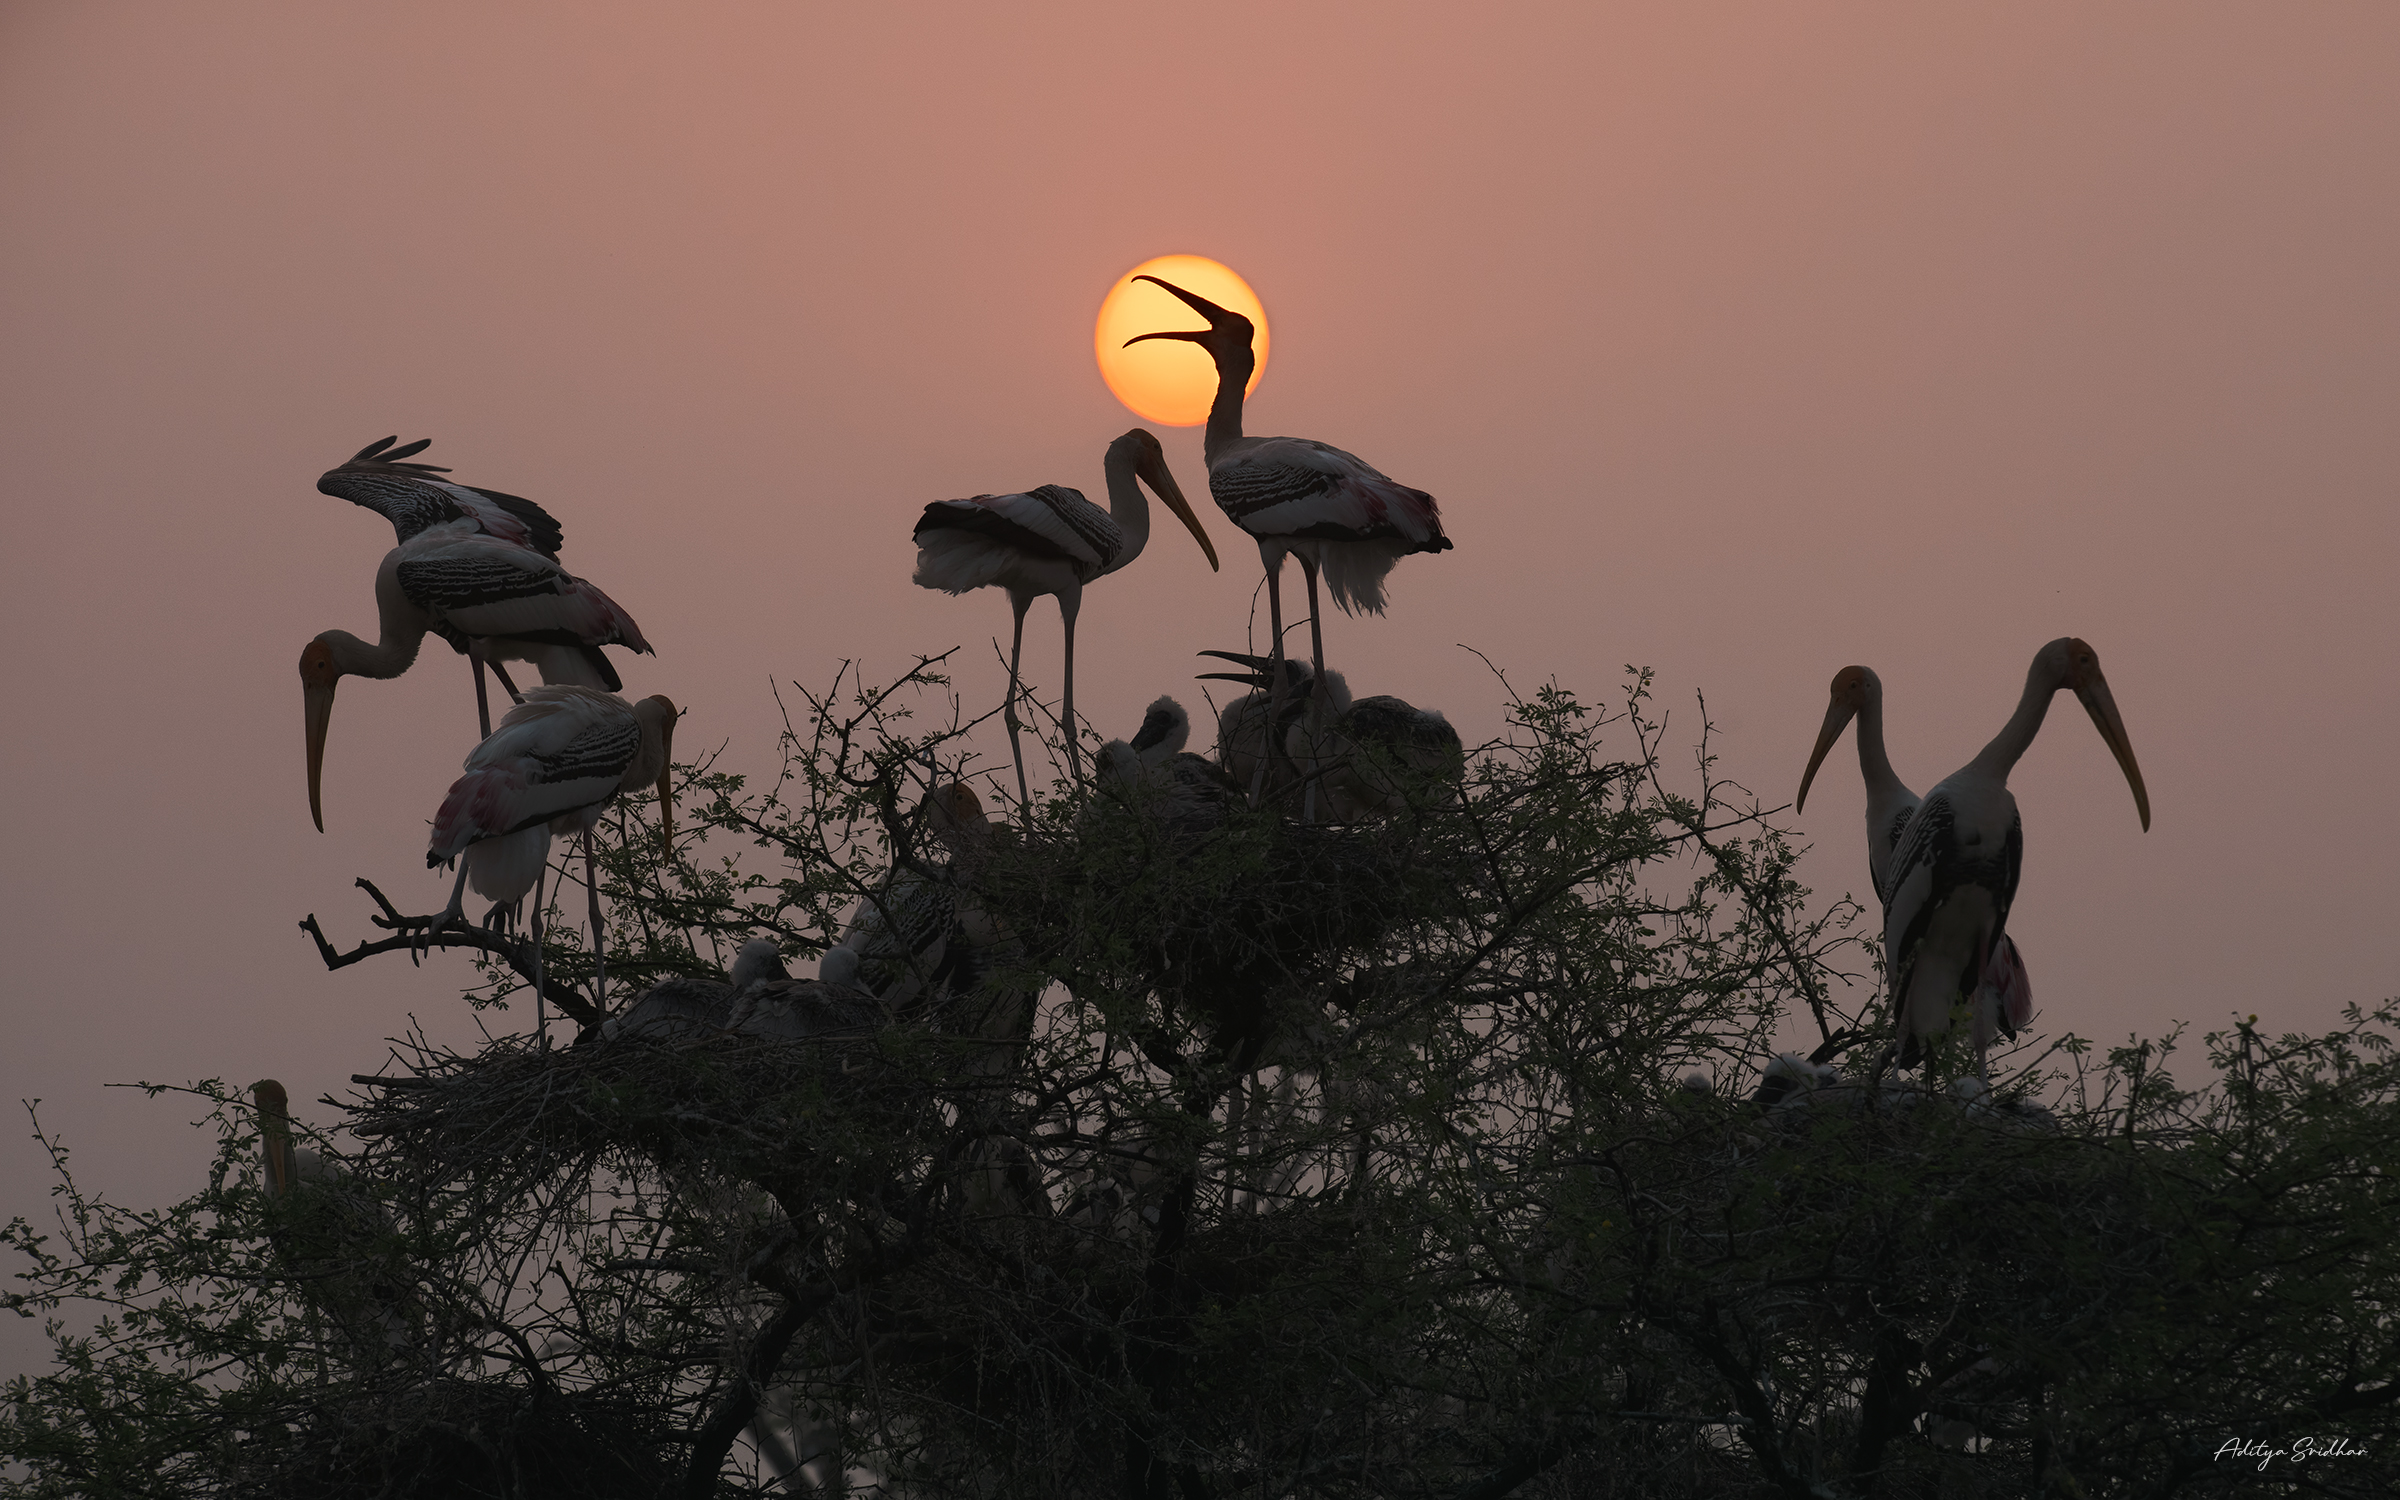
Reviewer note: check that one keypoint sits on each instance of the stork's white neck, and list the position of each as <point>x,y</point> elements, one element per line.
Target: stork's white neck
<point>1127,505</point>
<point>1225,413</point>
<point>400,625</point>
<point>1884,786</point>
<point>1999,757</point>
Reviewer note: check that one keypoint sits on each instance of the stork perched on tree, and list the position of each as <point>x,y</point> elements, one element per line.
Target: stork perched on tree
<point>1185,792</point>
<point>920,939</point>
<point>376,478</point>
<point>1328,508</point>
<point>689,1007</point>
<point>1954,873</point>
<point>477,592</point>
<point>1356,759</point>
<point>1252,728</point>
<point>2003,991</point>
<point>555,763</point>
<point>1050,540</point>
<point>331,1234</point>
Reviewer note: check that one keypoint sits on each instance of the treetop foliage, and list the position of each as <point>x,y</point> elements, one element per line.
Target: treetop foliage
<point>1199,1150</point>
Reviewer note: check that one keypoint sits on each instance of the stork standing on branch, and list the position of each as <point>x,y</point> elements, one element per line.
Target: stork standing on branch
<point>1050,540</point>
<point>477,592</point>
<point>1954,873</point>
<point>1328,508</point>
<point>553,766</point>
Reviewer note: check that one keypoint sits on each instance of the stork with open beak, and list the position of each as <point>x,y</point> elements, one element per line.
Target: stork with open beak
<point>1330,509</point>
<point>1953,876</point>
<point>1050,540</point>
<point>1252,728</point>
<point>551,768</point>
<point>1356,759</point>
<point>482,594</point>
<point>1858,693</point>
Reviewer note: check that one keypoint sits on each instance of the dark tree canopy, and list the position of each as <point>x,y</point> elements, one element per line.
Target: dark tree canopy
<point>1224,1155</point>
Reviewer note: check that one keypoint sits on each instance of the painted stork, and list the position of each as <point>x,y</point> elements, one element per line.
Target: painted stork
<point>555,763</point>
<point>408,496</point>
<point>477,592</point>
<point>1328,508</point>
<point>1954,873</point>
<point>1253,725</point>
<point>331,1234</point>
<point>687,1007</point>
<point>1360,757</point>
<point>1187,793</point>
<point>1050,541</point>
<point>920,935</point>
<point>1858,693</point>
<point>771,1004</point>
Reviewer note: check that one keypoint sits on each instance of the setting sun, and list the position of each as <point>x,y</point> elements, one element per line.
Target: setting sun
<point>1166,380</point>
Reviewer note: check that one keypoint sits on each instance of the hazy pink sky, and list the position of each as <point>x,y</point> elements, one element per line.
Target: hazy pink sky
<point>1740,341</point>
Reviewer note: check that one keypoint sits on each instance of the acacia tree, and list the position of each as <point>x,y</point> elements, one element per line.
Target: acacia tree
<point>1258,1159</point>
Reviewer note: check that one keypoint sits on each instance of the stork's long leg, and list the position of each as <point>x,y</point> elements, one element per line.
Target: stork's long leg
<point>1316,632</point>
<point>591,885</point>
<point>1070,602</point>
<point>483,707</point>
<point>1016,651</point>
<point>541,1014</point>
<point>506,686</point>
<point>1272,750</point>
<point>455,911</point>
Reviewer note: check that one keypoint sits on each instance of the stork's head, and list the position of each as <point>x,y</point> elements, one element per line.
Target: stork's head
<point>1149,460</point>
<point>1296,673</point>
<point>955,815</point>
<point>2069,662</point>
<point>1853,689</point>
<point>1227,338</point>
<point>318,674</point>
<point>759,959</point>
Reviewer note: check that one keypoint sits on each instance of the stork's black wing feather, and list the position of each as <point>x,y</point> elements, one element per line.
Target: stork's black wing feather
<point>548,535</point>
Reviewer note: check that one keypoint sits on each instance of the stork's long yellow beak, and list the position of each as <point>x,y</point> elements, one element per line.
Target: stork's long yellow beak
<point>2102,706</point>
<point>1151,467</point>
<point>317,678</point>
<point>1838,715</point>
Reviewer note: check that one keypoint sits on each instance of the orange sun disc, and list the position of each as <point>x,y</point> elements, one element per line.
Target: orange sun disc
<point>1170,381</point>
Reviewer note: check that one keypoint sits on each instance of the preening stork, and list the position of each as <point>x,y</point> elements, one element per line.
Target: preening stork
<point>1050,541</point>
<point>554,764</point>
<point>1328,508</point>
<point>1954,874</point>
<point>1858,693</point>
<point>408,496</point>
<point>1356,759</point>
<point>479,593</point>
